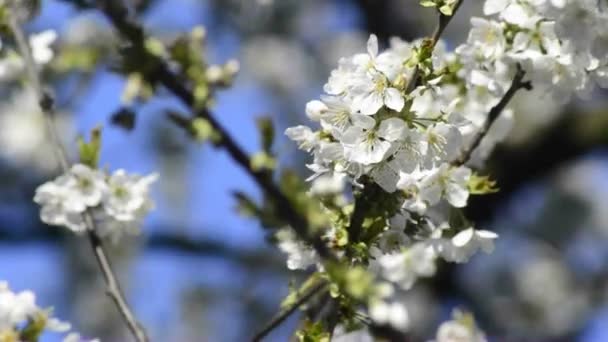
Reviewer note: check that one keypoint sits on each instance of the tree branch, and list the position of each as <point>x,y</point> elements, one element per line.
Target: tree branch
<point>132,32</point>
<point>45,102</point>
<point>517,84</point>
<point>284,314</point>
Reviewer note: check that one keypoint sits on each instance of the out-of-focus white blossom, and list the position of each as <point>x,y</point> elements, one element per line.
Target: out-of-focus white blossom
<point>461,328</point>
<point>393,314</point>
<point>12,65</point>
<point>23,134</point>
<point>19,309</point>
<point>119,201</point>
<point>299,256</point>
<point>463,245</point>
<point>406,266</point>
<point>127,198</point>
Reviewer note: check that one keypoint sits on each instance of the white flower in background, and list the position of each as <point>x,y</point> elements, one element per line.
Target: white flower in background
<point>394,237</point>
<point>87,187</point>
<point>12,64</point>
<point>75,337</point>
<point>23,135</point>
<point>393,314</point>
<point>404,267</point>
<point>119,201</point>
<point>328,184</point>
<point>415,201</point>
<point>461,328</point>
<point>299,256</point>
<point>58,208</point>
<point>343,335</point>
<point>41,46</point>
<point>466,243</point>
<point>127,198</point>
<point>17,309</point>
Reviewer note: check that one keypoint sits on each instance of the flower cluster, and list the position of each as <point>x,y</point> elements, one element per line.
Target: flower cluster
<point>12,64</point>
<point>22,320</point>
<point>119,200</point>
<point>461,328</point>
<point>562,45</point>
<point>401,119</point>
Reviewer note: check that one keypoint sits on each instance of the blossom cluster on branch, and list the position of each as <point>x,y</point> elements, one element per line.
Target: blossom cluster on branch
<point>119,200</point>
<point>395,140</point>
<point>21,319</point>
<point>413,118</point>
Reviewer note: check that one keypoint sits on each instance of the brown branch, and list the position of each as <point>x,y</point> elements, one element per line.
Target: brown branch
<point>45,102</point>
<point>517,84</point>
<point>133,33</point>
<point>284,314</point>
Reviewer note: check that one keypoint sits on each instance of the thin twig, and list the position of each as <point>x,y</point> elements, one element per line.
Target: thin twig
<point>132,32</point>
<point>283,315</point>
<point>46,103</point>
<point>517,84</point>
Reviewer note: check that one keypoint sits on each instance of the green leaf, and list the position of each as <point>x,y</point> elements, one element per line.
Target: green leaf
<point>89,151</point>
<point>313,332</point>
<point>481,185</point>
<point>34,327</point>
<point>447,9</point>
<point>428,3</point>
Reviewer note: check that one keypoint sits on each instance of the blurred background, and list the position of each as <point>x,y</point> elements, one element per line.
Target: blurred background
<point>201,272</point>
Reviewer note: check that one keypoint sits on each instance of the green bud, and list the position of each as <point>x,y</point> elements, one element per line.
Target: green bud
<point>203,131</point>
<point>262,161</point>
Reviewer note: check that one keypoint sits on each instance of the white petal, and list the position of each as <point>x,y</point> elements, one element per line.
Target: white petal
<point>392,129</point>
<point>456,195</point>
<point>393,99</point>
<point>363,121</point>
<point>371,103</point>
<point>314,109</point>
<point>463,238</point>
<point>486,234</point>
<point>494,6</point>
<point>372,45</point>
<point>352,136</point>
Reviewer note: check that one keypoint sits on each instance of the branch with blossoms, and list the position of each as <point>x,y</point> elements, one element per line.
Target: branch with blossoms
<point>74,198</point>
<point>391,141</point>
<point>159,72</point>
